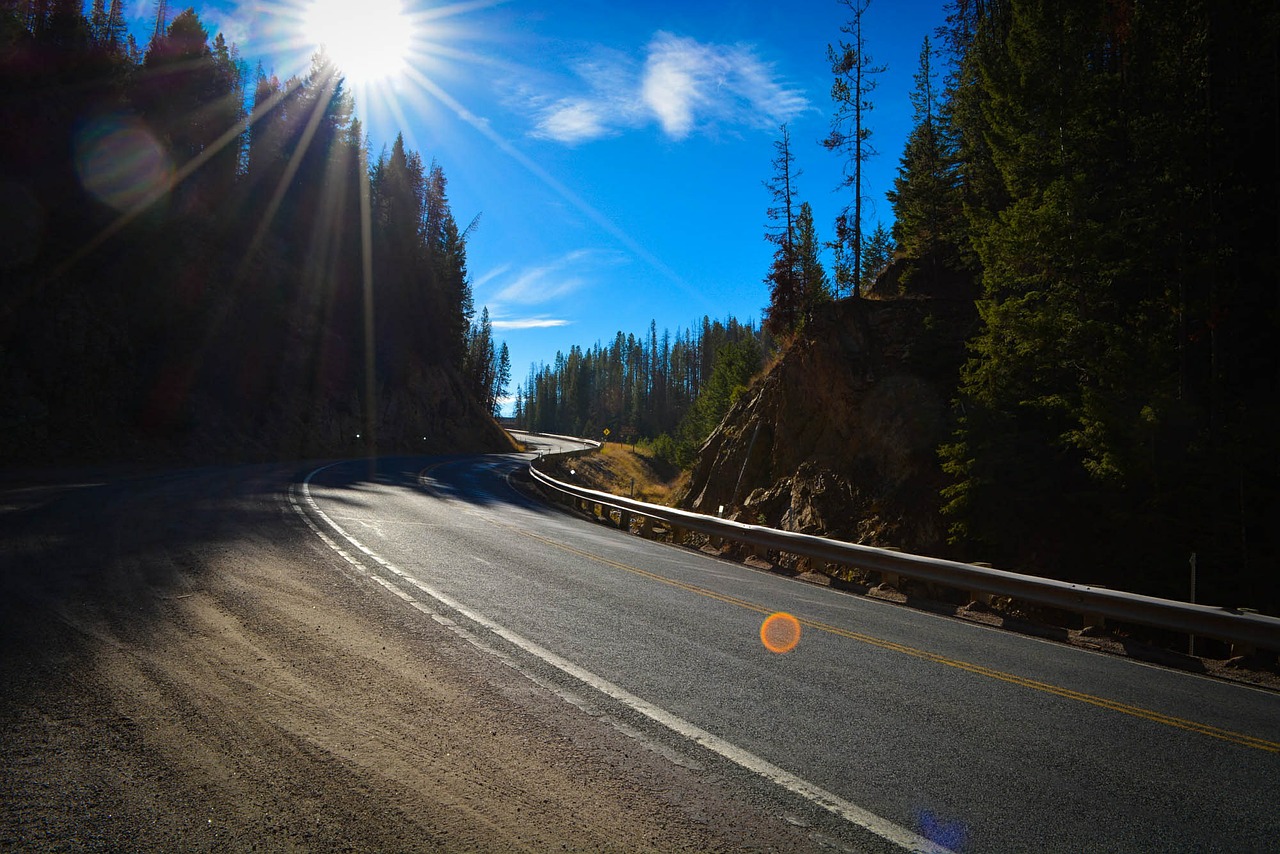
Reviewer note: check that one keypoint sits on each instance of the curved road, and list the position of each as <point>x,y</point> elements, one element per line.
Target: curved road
<point>890,728</point>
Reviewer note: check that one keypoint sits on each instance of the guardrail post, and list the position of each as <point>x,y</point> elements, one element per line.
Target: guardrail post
<point>1094,622</point>
<point>980,596</point>
<point>1245,649</point>
<point>624,520</point>
<point>646,527</point>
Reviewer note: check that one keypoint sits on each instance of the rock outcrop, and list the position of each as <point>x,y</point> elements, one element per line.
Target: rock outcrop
<point>840,436</point>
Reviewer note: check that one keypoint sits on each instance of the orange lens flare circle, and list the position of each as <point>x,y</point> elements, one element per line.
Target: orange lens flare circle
<point>780,632</point>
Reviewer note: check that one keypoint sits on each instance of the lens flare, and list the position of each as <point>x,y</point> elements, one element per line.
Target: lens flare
<point>120,163</point>
<point>780,632</point>
<point>949,834</point>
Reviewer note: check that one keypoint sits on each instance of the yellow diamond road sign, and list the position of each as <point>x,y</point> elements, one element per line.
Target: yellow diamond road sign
<point>606,431</point>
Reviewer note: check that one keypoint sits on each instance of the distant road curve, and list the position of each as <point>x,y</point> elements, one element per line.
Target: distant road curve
<point>908,730</point>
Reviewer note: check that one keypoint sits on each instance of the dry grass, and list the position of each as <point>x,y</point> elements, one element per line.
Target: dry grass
<point>627,471</point>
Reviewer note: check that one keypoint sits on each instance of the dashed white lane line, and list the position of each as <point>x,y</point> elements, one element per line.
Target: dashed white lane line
<point>846,810</point>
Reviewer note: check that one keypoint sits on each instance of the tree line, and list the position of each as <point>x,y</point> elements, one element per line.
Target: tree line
<point>1110,171</point>
<point>1103,178</point>
<point>1106,176</point>
<point>203,255</point>
<point>670,388</point>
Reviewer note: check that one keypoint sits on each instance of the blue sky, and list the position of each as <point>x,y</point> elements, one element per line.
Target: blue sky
<point>615,151</point>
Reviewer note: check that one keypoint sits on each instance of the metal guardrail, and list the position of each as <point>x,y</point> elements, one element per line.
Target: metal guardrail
<point>591,445</point>
<point>1245,631</point>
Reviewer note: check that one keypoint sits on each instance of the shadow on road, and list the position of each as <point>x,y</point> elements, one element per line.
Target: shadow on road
<point>481,481</point>
<point>89,559</point>
<point>113,549</point>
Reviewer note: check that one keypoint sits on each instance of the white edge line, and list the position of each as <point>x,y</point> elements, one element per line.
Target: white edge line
<point>846,810</point>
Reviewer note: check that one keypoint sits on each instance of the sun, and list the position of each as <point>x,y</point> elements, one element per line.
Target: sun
<point>369,41</point>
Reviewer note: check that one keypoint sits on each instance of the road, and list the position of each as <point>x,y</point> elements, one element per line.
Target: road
<point>886,728</point>
<point>185,666</point>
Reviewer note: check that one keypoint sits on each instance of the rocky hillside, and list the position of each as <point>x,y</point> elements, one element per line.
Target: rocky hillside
<point>840,436</point>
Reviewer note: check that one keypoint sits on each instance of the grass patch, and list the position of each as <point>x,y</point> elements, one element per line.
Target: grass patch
<point>632,472</point>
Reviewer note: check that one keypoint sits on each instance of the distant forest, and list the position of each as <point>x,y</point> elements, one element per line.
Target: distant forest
<point>200,260</point>
<point>1102,177</point>
<point>670,389</point>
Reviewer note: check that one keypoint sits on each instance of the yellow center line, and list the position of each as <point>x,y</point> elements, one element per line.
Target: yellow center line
<point>977,669</point>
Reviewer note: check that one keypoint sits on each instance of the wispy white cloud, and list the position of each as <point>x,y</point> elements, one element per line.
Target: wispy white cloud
<point>539,286</point>
<point>137,10</point>
<point>496,272</point>
<point>545,282</point>
<point>682,84</point>
<point>573,120</point>
<point>516,292</point>
<point>679,78</point>
<point>529,323</point>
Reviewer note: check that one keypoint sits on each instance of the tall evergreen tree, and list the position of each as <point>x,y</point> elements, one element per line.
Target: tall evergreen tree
<point>786,285</point>
<point>501,378</point>
<point>447,247</point>
<point>814,291</point>
<point>850,135</point>
<point>480,367</point>
<point>1103,390</point>
<point>877,255</point>
<point>928,211</point>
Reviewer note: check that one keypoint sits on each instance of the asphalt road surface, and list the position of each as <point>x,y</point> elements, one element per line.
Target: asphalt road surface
<point>889,728</point>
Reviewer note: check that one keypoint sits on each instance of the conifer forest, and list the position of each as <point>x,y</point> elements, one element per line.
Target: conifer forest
<point>189,247</point>
<point>1102,180</point>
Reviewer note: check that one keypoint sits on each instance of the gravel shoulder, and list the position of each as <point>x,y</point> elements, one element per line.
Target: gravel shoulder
<point>184,666</point>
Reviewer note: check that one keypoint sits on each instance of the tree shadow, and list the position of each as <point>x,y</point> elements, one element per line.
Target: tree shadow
<point>115,544</point>
<point>93,558</point>
<point>479,481</point>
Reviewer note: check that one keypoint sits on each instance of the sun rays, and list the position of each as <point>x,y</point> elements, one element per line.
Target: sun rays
<point>370,41</point>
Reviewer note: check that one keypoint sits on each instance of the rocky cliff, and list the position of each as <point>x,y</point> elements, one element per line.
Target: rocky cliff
<point>839,437</point>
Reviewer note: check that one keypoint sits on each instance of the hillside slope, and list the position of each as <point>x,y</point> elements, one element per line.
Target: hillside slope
<point>840,436</point>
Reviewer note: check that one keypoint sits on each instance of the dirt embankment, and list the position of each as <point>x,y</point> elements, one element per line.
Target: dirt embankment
<point>184,667</point>
<point>623,470</point>
<point>840,436</point>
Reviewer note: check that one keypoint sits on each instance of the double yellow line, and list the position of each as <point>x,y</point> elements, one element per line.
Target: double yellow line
<point>977,669</point>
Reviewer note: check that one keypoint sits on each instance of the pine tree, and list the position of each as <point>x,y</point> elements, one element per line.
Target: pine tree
<point>843,279</point>
<point>1103,393</point>
<point>161,20</point>
<point>928,225</point>
<point>447,248</point>
<point>876,255</point>
<point>1051,338</point>
<point>518,413</point>
<point>192,96</point>
<point>813,278</point>
<point>115,25</point>
<point>786,288</point>
<point>98,21</point>
<point>850,134</point>
<point>501,377</point>
<point>481,364</point>
<point>736,363</point>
